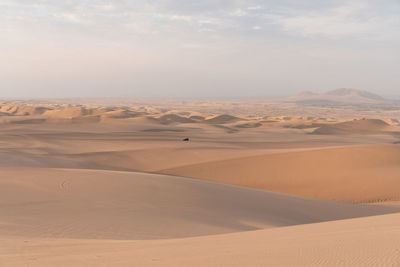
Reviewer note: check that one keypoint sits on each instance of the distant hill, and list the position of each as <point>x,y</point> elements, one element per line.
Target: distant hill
<point>342,96</point>
<point>345,92</point>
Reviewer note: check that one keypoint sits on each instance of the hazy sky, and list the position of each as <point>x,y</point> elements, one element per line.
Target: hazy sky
<point>197,48</point>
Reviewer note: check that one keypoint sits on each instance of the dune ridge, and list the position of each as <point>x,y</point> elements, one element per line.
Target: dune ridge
<point>20,112</point>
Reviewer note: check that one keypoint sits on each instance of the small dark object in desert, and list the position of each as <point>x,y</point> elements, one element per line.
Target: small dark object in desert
<point>186,139</point>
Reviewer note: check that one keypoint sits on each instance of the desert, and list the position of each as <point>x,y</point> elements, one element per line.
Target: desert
<point>100,184</point>
<point>212,133</point>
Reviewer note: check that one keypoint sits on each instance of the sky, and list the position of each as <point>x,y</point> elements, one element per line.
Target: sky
<point>192,48</point>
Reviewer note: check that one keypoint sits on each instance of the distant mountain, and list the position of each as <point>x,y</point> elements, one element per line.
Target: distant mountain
<point>342,96</point>
<point>346,92</point>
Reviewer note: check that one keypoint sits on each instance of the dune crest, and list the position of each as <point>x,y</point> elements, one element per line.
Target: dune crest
<point>222,119</point>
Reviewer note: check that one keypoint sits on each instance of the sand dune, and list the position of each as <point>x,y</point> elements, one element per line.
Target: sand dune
<point>67,112</point>
<point>354,174</point>
<point>222,119</point>
<point>122,114</point>
<point>248,125</point>
<point>370,241</point>
<point>12,110</point>
<point>119,153</point>
<point>61,203</point>
<point>27,113</point>
<point>355,126</point>
<point>29,121</point>
<point>172,118</point>
<point>86,119</point>
<point>196,118</point>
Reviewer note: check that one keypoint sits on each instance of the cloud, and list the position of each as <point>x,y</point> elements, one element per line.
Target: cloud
<point>72,18</point>
<point>239,13</point>
<point>106,7</point>
<point>181,18</point>
<point>310,19</point>
<point>254,7</point>
<point>354,19</point>
<point>242,38</point>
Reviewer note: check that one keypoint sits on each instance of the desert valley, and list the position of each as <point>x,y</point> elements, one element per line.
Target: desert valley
<point>136,182</point>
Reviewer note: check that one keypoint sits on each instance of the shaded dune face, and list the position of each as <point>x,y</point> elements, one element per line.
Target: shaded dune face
<point>352,174</point>
<point>172,118</point>
<point>222,119</point>
<point>61,203</point>
<point>355,126</point>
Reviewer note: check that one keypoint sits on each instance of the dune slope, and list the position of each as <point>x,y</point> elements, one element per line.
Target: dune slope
<point>370,241</point>
<point>67,203</point>
<point>363,126</point>
<point>354,173</point>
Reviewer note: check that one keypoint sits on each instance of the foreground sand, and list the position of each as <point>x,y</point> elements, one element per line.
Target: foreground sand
<point>43,209</point>
<point>117,186</point>
<point>370,241</point>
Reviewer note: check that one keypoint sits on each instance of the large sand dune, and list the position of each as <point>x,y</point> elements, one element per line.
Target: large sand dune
<point>355,174</point>
<point>61,203</point>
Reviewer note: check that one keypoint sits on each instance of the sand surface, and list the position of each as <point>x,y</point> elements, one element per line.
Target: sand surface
<point>370,241</point>
<point>256,184</point>
<point>70,203</point>
<point>369,173</point>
